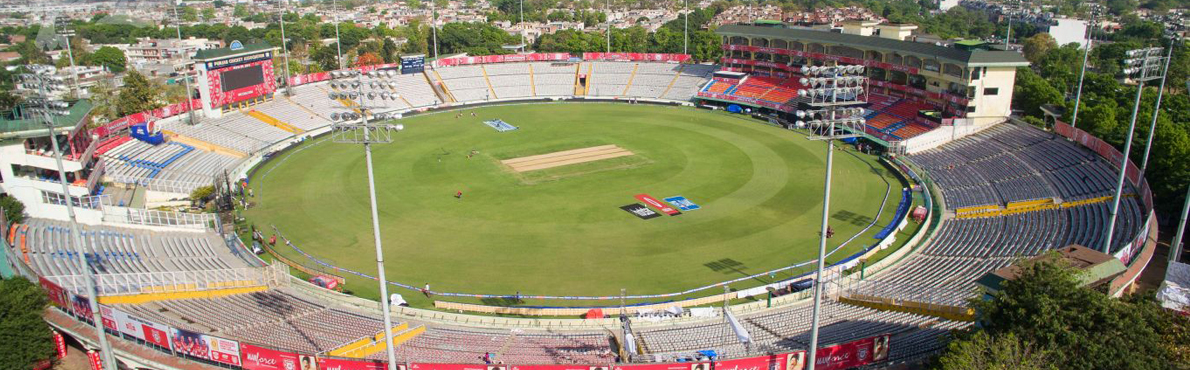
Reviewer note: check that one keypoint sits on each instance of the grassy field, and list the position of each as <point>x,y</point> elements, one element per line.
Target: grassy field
<point>560,231</point>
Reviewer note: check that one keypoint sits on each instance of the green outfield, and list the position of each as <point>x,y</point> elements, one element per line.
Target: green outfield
<point>560,230</point>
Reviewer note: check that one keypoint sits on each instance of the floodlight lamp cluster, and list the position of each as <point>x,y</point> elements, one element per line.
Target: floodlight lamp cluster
<point>388,73</point>
<point>47,106</point>
<point>826,71</point>
<point>1143,62</point>
<point>850,117</point>
<point>354,116</point>
<point>371,95</point>
<point>355,85</point>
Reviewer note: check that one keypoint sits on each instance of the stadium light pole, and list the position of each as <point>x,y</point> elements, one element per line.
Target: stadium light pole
<point>522,9</point>
<point>434,26</point>
<point>186,74</point>
<point>833,92</point>
<point>338,41</point>
<point>1175,249</point>
<point>1144,161</point>
<point>284,47</point>
<point>66,34</point>
<point>1139,63</point>
<point>1082,72</point>
<point>49,110</point>
<point>354,128</point>
<point>686,27</point>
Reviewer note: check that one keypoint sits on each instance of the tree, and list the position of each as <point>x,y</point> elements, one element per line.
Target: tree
<point>27,337</point>
<point>111,58</point>
<point>189,14</point>
<point>138,95</point>
<point>201,193</point>
<point>1038,46</point>
<point>1032,91</point>
<point>103,98</point>
<point>368,59</point>
<point>980,351</point>
<point>14,210</point>
<point>208,14</point>
<point>1048,310</point>
<point>240,11</point>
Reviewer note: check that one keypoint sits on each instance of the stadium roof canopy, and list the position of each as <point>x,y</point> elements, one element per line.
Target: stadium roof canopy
<point>1097,267</point>
<point>971,58</point>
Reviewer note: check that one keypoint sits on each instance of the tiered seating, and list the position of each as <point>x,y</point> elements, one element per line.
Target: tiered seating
<point>895,117</point>
<point>1005,163</point>
<point>110,143</point>
<point>510,80</point>
<point>114,250</point>
<point>466,83</point>
<point>652,79</point>
<point>690,78</point>
<point>178,167</point>
<point>553,79</point>
<point>458,345</point>
<point>289,112</point>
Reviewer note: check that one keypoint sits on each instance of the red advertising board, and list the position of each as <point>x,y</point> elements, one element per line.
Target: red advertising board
<point>59,344</point>
<point>109,318</point>
<point>485,59</point>
<point>80,306</point>
<point>337,364</point>
<point>57,295</point>
<point>771,362</point>
<point>653,202</point>
<point>257,358</point>
<point>637,57</point>
<point>556,367</point>
<point>851,354</point>
<point>673,366</point>
<point>156,335</point>
<point>205,346</point>
<point>221,98</point>
<point>94,360</point>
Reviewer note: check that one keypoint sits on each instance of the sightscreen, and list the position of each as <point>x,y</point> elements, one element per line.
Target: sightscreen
<point>243,77</point>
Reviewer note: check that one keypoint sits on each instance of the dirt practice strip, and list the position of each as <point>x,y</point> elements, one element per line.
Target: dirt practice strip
<point>566,157</point>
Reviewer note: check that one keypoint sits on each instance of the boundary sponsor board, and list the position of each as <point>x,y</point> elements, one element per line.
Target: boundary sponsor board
<point>672,366</point>
<point>56,294</point>
<point>205,346</point>
<point>423,366</point>
<point>682,203</point>
<point>556,367</point>
<point>339,364</point>
<point>108,315</point>
<point>851,354</point>
<point>258,358</point>
<point>638,210</point>
<point>657,204</point>
<point>770,362</point>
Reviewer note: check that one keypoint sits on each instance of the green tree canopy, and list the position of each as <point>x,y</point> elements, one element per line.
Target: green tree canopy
<point>138,94</point>
<point>26,335</point>
<point>14,210</point>
<point>1047,318</point>
<point>111,58</point>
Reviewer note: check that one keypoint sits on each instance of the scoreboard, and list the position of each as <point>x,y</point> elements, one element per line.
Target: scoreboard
<point>413,64</point>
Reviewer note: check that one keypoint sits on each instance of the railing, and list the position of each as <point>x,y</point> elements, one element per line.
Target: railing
<point>177,281</point>
<point>162,185</point>
<point>96,174</point>
<point>147,217</point>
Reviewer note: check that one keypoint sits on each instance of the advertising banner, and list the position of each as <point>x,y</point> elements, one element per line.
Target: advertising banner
<point>852,354</point>
<point>557,367</point>
<point>205,346</point>
<point>636,209</point>
<point>485,59</point>
<point>136,118</point>
<point>682,203</point>
<point>57,295</point>
<point>59,344</point>
<point>771,362</point>
<point>219,97</point>
<point>80,306</point>
<point>258,358</point>
<point>653,202</point>
<point>637,57</point>
<point>95,361</point>
<point>673,366</point>
<point>337,364</point>
<point>107,314</point>
<point>156,334</point>
<point>422,366</point>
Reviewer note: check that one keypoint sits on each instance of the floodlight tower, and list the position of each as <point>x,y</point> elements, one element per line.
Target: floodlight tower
<point>285,47</point>
<point>1143,65</point>
<point>1175,249</point>
<point>50,109</point>
<point>1082,72</point>
<point>1144,162</point>
<point>354,128</point>
<point>186,72</point>
<point>835,95</point>
<point>338,41</point>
